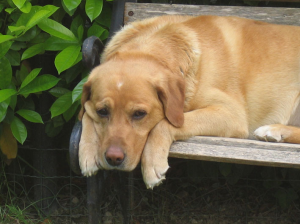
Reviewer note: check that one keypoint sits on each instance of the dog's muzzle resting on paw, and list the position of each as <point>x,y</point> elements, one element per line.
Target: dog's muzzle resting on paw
<point>169,78</point>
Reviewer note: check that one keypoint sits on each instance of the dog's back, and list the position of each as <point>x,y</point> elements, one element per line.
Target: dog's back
<point>253,63</point>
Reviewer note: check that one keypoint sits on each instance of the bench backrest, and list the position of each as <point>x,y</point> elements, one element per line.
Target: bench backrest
<point>139,11</point>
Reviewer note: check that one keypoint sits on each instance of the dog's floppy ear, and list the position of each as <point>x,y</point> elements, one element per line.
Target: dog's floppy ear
<point>171,94</point>
<point>86,92</point>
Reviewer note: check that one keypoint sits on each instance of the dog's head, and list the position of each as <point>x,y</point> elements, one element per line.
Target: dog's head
<point>126,97</point>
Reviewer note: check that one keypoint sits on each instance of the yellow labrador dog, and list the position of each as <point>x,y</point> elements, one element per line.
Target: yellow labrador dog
<point>169,78</point>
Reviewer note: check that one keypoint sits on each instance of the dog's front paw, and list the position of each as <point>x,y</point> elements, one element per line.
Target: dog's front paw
<point>154,174</point>
<point>154,159</point>
<point>88,160</point>
<point>269,133</point>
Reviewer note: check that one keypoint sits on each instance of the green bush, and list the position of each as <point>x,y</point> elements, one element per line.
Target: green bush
<point>30,30</point>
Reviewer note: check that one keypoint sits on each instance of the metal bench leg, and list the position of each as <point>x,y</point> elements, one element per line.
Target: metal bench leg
<point>125,195</point>
<point>95,192</point>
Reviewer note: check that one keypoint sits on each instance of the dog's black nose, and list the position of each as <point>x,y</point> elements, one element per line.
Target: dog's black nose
<point>114,156</point>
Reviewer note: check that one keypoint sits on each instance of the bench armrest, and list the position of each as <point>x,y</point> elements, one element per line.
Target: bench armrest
<point>91,50</point>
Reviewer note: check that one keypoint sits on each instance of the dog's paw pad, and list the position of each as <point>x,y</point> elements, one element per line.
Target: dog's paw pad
<point>154,177</point>
<point>268,133</point>
<point>89,170</point>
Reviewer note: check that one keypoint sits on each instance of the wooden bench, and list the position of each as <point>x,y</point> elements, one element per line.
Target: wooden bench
<point>201,148</point>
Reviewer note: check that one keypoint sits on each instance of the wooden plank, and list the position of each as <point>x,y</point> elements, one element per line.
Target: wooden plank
<point>241,151</point>
<point>138,11</point>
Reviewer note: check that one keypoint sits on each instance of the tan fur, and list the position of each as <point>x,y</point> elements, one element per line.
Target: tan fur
<point>206,75</point>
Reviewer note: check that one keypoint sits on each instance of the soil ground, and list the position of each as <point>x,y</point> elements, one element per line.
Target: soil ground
<point>194,192</point>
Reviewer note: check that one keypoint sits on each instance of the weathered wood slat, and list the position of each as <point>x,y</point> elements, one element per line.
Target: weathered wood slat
<point>288,16</point>
<point>240,151</point>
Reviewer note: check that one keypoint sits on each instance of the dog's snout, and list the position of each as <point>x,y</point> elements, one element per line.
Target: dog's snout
<point>114,156</point>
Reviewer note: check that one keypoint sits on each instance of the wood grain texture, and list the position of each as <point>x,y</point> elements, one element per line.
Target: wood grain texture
<point>288,16</point>
<point>217,149</point>
<point>240,151</point>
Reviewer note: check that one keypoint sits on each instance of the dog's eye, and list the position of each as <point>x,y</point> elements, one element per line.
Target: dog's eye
<point>139,114</point>
<point>103,112</point>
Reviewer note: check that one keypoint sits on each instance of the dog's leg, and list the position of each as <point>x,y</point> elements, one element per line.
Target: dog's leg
<point>88,148</point>
<point>278,133</point>
<point>154,160</point>
<point>211,121</point>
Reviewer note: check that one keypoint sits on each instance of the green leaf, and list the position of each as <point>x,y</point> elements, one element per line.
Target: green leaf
<point>16,28</point>
<point>58,91</point>
<point>19,130</point>
<point>71,4</point>
<point>19,3</point>
<point>57,44</point>
<point>37,17</point>
<point>4,47</point>
<point>105,17</point>
<point>23,73</point>
<point>76,93</point>
<point>104,35</point>
<point>80,32</point>
<point>93,8</point>
<point>51,8</point>
<point>40,38</point>
<point>9,116</point>
<point>26,103</point>
<point>56,29</point>
<point>2,6</point>
<point>25,17</point>
<point>26,7</point>
<point>32,51</point>
<point>78,59</point>
<point>9,10</point>
<point>73,72</point>
<point>66,58</point>
<point>51,130</point>
<point>70,12</point>
<point>61,105</point>
<point>6,93</point>
<point>78,21</point>
<point>4,38</point>
<point>58,121</point>
<point>95,30</point>
<point>3,109</point>
<point>13,57</point>
<point>30,115</point>
<point>41,83</point>
<point>71,111</point>
<point>13,102</point>
<point>5,73</point>
<point>29,35</point>
<point>31,76</point>
<point>16,46</point>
